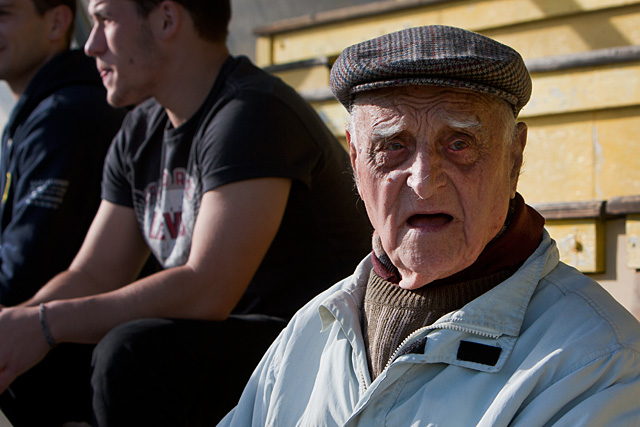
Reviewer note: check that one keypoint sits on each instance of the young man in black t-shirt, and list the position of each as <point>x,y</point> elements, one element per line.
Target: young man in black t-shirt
<point>231,182</point>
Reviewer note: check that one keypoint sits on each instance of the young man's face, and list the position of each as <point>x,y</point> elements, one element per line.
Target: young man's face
<point>24,44</point>
<point>125,51</point>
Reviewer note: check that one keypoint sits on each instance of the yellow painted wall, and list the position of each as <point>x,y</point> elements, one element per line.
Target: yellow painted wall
<point>584,122</point>
<point>584,89</point>
<point>558,26</point>
<point>600,26</point>
<point>578,242</point>
<point>632,248</point>
<point>592,155</point>
<point>306,79</point>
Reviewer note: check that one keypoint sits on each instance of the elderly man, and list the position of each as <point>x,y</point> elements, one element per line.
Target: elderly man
<point>463,314</point>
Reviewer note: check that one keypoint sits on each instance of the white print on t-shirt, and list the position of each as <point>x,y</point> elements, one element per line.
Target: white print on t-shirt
<point>169,216</point>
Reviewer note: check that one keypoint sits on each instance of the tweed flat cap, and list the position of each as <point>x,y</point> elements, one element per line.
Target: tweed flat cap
<point>432,55</point>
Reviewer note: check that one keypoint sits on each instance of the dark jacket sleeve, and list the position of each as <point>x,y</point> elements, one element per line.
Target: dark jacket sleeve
<point>54,192</point>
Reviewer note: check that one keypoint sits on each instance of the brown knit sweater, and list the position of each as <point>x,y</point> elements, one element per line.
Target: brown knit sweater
<point>392,313</point>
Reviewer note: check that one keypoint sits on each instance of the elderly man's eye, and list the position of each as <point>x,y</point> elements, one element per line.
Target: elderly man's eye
<point>394,146</point>
<point>458,145</point>
<point>387,153</point>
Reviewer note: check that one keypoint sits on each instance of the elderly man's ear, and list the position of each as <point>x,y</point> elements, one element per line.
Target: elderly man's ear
<point>517,153</point>
<point>352,150</point>
<point>353,156</point>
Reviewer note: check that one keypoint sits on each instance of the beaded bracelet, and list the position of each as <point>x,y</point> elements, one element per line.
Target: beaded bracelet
<point>45,327</point>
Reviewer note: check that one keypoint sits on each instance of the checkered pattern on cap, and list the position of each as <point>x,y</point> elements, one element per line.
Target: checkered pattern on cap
<point>432,55</point>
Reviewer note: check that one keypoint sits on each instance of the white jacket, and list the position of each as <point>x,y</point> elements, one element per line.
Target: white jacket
<point>548,346</point>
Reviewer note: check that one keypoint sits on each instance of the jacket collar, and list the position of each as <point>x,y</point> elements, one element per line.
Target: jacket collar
<point>493,319</point>
<point>71,67</point>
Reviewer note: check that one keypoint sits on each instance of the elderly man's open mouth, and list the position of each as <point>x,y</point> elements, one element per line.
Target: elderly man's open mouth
<point>429,220</point>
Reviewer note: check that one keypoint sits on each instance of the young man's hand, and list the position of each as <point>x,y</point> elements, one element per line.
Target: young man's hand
<point>22,342</point>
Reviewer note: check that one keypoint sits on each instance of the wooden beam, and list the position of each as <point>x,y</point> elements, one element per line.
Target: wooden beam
<point>623,205</point>
<point>609,56</point>
<point>528,10</point>
<point>297,65</point>
<point>342,14</point>
<point>571,210</point>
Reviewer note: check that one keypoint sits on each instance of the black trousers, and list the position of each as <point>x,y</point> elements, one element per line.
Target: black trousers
<point>54,391</point>
<point>153,372</point>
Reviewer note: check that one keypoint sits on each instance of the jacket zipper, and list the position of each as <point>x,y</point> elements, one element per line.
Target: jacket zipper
<point>363,383</point>
<point>487,333</point>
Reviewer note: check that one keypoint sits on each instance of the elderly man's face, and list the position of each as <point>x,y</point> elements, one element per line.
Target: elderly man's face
<point>436,169</point>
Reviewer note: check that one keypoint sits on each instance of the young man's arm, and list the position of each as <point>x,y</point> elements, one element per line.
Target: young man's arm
<point>111,256</point>
<point>234,229</point>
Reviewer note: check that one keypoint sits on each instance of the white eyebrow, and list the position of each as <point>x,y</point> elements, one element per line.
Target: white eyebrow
<point>464,122</point>
<point>386,132</point>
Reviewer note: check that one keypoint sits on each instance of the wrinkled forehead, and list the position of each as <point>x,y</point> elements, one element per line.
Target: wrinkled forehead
<point>428,98</point>
<point>463,109</point>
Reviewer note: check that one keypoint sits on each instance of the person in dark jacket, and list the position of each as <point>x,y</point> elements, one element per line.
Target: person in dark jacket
<point>53,146</point>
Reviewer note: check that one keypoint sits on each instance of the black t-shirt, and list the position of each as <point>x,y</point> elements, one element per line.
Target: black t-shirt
<point>250,126</point>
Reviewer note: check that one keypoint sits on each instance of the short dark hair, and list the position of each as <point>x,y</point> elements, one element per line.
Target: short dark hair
<point>44,5</point>
<point>210,17</point>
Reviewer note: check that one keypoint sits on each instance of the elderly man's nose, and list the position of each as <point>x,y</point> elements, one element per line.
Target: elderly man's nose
<point>425,176</point>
